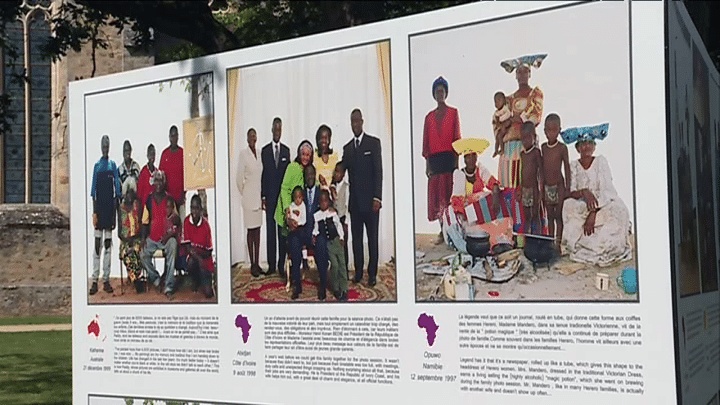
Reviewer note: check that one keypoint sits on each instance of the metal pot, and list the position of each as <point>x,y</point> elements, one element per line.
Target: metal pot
<point>539,249</point>
<point>478,244</point>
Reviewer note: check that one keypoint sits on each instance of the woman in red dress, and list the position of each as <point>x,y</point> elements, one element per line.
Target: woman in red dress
<point>441,129</point>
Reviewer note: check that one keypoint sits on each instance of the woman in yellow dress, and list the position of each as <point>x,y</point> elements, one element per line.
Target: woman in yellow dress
<point>327,158</point>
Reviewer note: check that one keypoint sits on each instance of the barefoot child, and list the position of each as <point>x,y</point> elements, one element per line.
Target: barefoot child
<point>532,180</point>
<point>555,161</point>
<point>501,121</point>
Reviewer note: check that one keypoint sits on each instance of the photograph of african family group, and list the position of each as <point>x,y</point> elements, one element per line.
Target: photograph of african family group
<point>522,159</point>
<point>151,188</point>
<point>311,181</point>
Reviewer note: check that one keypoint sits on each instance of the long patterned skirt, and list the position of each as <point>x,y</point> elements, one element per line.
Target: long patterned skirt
<point>510,165</point>
<point>439,192</point>
<point>130,256</point>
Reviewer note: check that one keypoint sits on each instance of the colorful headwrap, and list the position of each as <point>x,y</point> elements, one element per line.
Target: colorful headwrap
<point>584,134</point>
<point>440,81</point>
<point>305,144</point>
<point>464,146</point>
<point>528,60</point>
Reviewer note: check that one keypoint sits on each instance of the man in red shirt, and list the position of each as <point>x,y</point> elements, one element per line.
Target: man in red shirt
<point>156,235</point>
<point>172,163</point>
<point>197,240</point>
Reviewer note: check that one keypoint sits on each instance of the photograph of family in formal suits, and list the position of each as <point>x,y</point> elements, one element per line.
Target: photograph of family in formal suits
<point>522,152</point>
<point>311,180</point>
<point>150,179</point>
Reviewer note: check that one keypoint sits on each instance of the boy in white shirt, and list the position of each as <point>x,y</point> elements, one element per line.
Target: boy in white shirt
<point>329,239</point>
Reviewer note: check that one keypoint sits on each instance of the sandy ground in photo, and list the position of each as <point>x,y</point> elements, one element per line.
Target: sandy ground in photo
<point>542,284</point>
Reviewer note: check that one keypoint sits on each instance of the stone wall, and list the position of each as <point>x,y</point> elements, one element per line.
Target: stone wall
<point>35,239</point>
<point>35,270</point>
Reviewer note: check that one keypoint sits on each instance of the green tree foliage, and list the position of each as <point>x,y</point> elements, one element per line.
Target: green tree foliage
<point>203,27</point>
<point>217,26</point>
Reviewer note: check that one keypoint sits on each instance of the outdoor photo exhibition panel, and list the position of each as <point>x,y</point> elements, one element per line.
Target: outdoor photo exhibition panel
<point>694,118</point>
<point>140,122</point>
<point>407,318</point>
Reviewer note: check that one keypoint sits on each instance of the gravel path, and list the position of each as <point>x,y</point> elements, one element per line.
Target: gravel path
<point>35,328</point>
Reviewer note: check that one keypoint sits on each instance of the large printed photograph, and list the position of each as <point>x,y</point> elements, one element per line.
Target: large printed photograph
<point>523,158</point>
<point>694,184</point>
<point>150,178</point>
<point>311,181</point>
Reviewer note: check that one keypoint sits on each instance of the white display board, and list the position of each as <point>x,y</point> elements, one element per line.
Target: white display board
<point>694,115</point>
<point>398,337</point>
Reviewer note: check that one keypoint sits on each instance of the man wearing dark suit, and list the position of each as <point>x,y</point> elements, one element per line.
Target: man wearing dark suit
<point>312,200</point>
<point>362,158</point>
<point>275,158</point>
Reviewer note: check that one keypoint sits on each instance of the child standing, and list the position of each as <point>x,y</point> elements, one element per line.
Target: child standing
<point>501,121</point>
<point>329,239</point>
<point>555,161</point>
<point>532,180</point>
<point>339,196</point>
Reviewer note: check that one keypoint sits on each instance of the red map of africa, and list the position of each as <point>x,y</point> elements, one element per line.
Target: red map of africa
<point>94,328</point>
<point>427,322</point>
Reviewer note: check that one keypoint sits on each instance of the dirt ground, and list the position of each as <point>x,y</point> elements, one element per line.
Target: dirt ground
<point>542,284</point>
<point>183,295</point>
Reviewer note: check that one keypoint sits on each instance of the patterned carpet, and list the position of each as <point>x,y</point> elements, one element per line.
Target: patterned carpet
<point>247,288</point>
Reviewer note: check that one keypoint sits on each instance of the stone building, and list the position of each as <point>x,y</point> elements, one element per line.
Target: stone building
<point>34,169</point>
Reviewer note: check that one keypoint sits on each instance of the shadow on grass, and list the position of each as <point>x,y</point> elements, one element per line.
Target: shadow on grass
<point>36,368</point>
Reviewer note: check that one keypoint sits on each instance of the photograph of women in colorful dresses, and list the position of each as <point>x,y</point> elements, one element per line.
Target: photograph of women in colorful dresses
<point>522,168</point>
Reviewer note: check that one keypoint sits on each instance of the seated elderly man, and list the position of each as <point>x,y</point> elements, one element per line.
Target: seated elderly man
<point>157,235</point>
<point>197,240</point>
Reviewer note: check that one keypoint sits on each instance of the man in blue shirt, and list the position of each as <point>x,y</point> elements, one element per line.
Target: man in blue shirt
<point>105,192</point>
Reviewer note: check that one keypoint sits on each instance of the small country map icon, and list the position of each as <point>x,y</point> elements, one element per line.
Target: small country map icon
<point>93,327</point>
<point>427,322</point>
<point>241,322</point>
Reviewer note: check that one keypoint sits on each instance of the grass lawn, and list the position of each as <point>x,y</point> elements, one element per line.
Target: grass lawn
<point>36,367</point>
<point>34,320</point>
